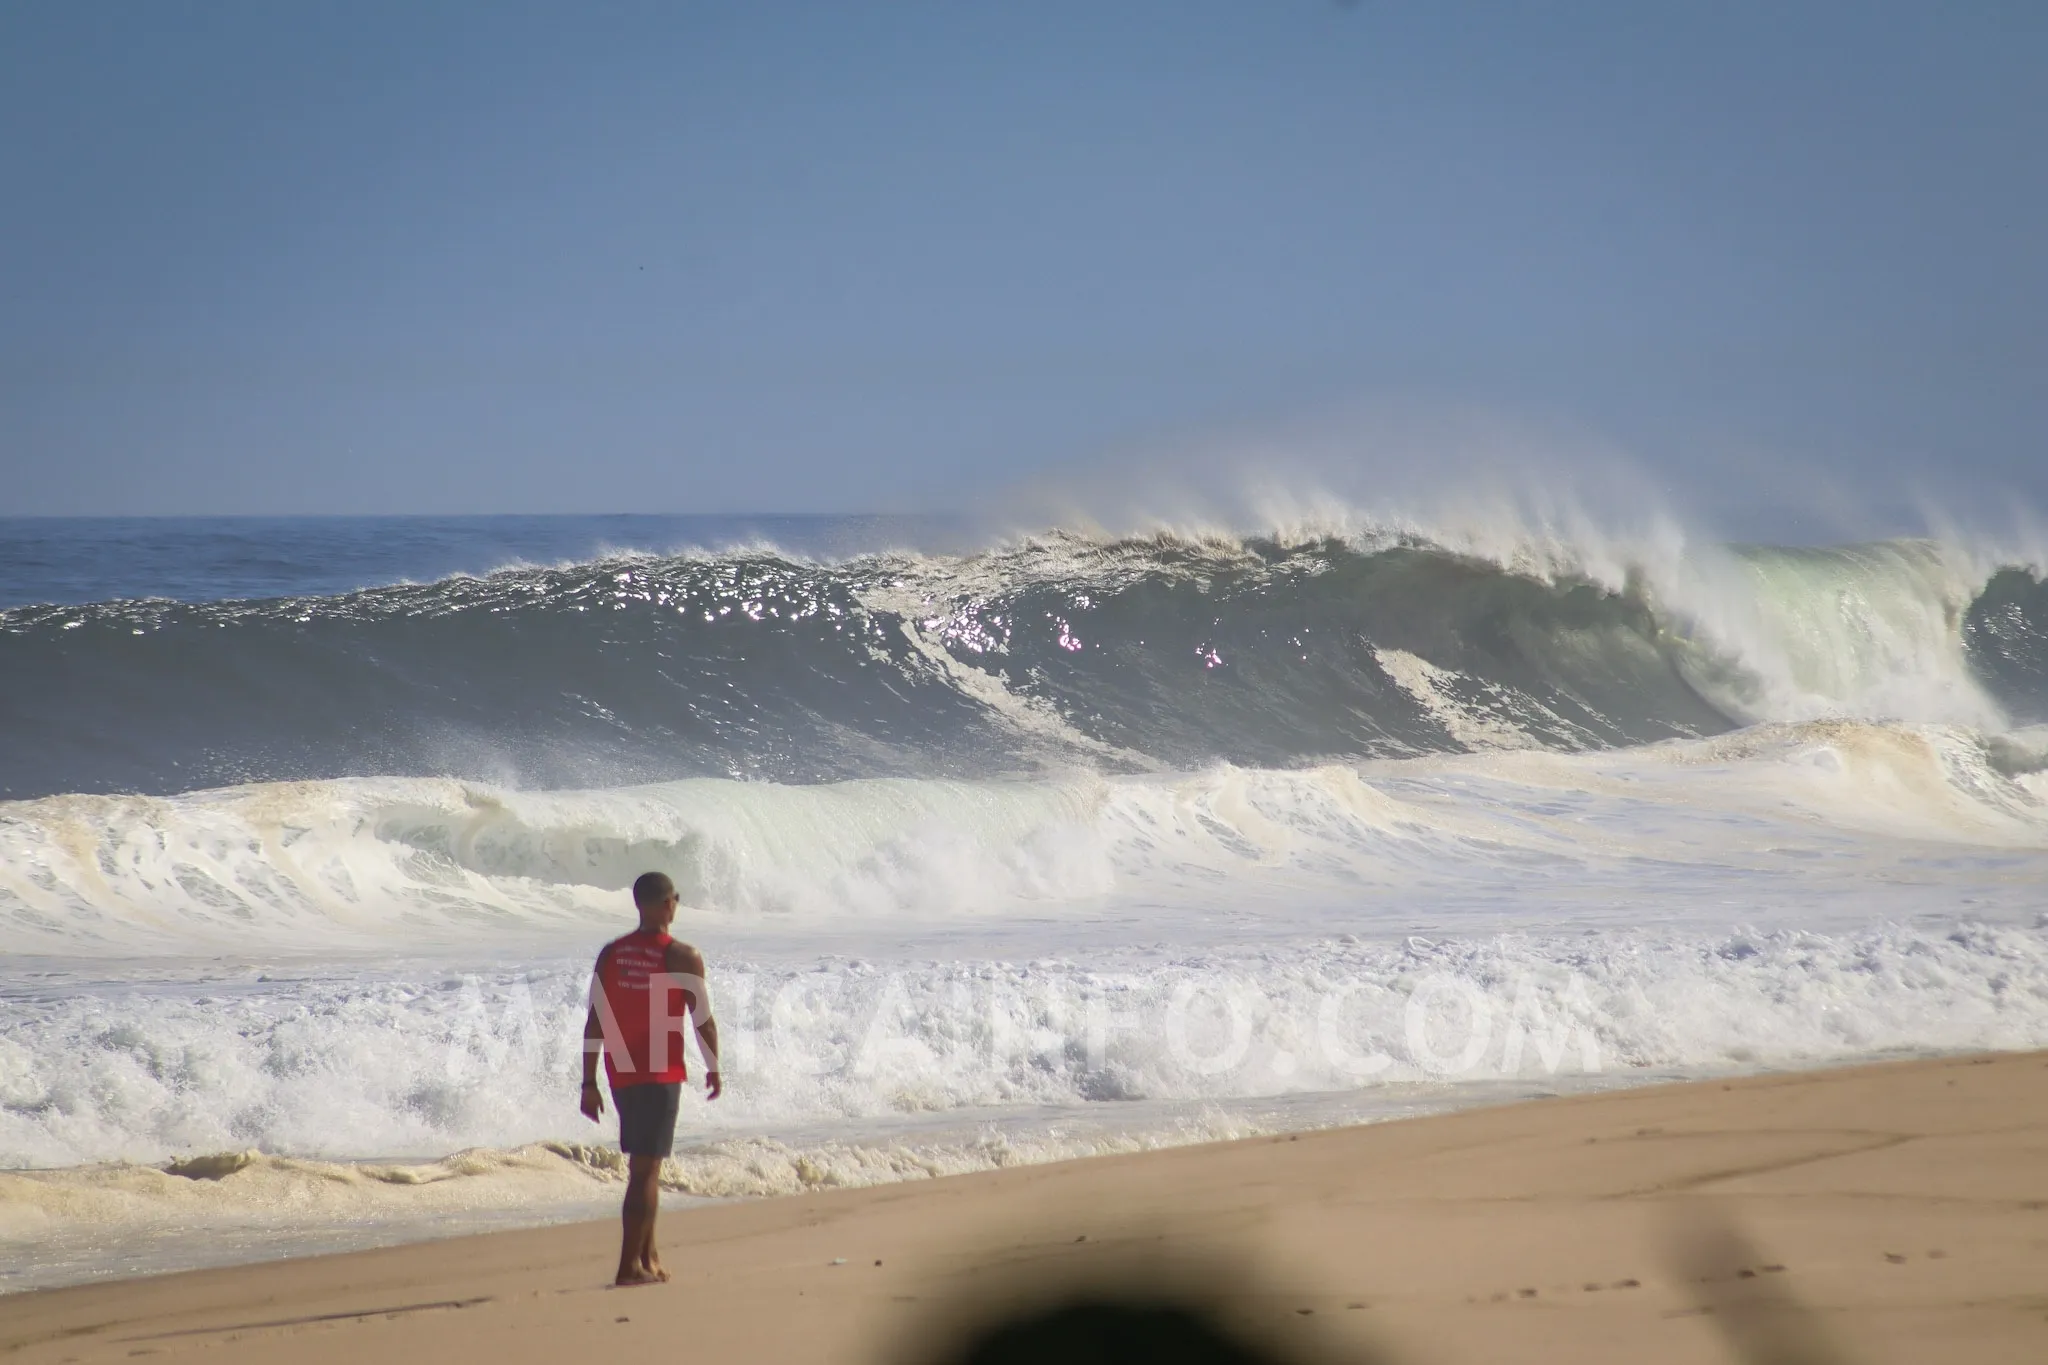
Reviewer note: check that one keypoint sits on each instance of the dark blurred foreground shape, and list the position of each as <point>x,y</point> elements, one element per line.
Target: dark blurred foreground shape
<point>1762,1324</point>
<point>1112,1333</point>
<point>1133,1325</point>
<point>1128,1303</point>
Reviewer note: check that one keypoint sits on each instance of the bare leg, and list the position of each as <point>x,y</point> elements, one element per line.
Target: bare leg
<point>643,1196</point>
<point>650,1259</point>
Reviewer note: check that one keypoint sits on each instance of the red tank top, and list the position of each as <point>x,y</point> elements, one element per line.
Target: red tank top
<point>625,970</point>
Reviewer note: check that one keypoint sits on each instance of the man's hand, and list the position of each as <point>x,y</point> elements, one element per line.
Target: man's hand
<point>593,1101</point>
<point>714,1085</point>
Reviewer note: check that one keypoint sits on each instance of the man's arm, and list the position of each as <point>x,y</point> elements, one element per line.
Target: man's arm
<point>686,962</point>
<point>592,1102</point>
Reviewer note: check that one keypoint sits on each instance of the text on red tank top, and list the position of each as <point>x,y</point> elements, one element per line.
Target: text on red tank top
<point>626,976</point>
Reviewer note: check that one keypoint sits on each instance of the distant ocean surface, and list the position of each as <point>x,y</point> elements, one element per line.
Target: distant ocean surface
<point>211,559</point>
<point>1003,848</point>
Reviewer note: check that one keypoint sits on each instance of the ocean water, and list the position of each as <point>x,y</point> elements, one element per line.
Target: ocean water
<point>1002,848</point>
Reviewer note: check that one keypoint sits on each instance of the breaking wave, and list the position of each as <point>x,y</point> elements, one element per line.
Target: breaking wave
<point>1123,654</point>
<point>426,865</point>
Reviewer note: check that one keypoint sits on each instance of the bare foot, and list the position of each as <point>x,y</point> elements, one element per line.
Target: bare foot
<point>629,1279</point>
<point>652,1266</point>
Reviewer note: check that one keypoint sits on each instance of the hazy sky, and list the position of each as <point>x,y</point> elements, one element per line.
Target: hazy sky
<point>446,257</point>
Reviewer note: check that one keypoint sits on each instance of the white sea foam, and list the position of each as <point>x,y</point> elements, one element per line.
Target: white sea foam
<point>427,1062</point>
<point>417,865</point>
<point>349,970</point>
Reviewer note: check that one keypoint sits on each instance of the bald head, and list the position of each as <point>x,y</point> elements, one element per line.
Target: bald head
<point>652,890</point>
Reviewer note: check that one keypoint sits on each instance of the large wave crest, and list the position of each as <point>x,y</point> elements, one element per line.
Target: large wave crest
<point>1125,654</point>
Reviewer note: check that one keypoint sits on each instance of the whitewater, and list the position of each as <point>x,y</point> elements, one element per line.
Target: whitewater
<point>1072,843</point>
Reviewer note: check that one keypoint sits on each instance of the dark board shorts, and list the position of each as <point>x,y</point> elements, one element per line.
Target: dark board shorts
<point>647,1117</point>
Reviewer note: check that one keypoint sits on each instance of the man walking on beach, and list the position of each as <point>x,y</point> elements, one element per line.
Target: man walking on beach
<point>645,986</point>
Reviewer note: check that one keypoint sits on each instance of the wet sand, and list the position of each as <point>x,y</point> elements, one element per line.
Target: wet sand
<point>1890,1213</point>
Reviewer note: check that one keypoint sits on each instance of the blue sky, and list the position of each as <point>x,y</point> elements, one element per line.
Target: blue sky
<point>466,257</point>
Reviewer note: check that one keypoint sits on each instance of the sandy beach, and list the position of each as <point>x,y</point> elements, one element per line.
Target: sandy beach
<point>1903,1206</point>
